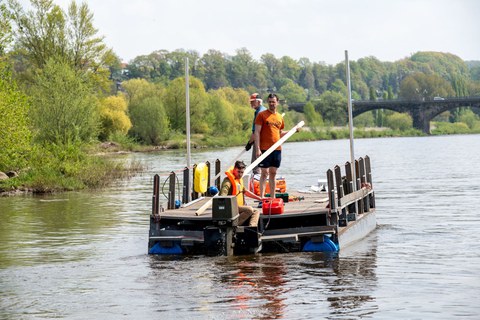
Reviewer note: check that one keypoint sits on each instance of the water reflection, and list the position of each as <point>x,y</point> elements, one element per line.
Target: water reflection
<point>353,290</point>
<point>269,286</point>
<point>53,228</point>
<point>257,285</point>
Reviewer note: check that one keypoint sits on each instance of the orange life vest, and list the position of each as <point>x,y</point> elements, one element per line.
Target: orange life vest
<point>237,186</point>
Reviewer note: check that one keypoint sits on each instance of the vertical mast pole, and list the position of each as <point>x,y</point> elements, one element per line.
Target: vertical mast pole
<point>350,119</point>
<point>187,103</point>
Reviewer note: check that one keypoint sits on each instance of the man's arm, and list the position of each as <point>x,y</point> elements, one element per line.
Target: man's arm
<point>252,195</point>
<point>258,128</point>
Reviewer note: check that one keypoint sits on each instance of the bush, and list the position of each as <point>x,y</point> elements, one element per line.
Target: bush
<point>15,137</point>
<point>399,121</point>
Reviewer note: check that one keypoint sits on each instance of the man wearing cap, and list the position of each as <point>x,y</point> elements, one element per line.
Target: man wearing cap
<point>232,185</point>
<point>269,127</point>
<point>256,104</point>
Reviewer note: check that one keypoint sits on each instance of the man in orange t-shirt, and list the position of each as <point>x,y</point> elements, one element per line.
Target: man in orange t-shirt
<point>268,130</point>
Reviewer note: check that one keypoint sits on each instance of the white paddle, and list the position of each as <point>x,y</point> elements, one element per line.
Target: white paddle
<point>273,147</point>
<point>231,164</point>
<point>207,204</point>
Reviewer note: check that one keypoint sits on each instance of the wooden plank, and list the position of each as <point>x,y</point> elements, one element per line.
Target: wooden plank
<point>354,196</point>
<point>217,174</point>
<point>171,191</point>
<point>208,175</point>
<point>186,183</point>
<point>156,194</point>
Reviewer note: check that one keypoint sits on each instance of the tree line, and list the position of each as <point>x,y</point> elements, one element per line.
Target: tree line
<point>60,85</point>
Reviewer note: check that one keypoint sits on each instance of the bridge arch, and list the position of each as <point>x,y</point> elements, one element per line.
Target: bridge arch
<point>421,111</point>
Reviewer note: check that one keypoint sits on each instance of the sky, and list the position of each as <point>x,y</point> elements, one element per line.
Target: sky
<point>320,30</point>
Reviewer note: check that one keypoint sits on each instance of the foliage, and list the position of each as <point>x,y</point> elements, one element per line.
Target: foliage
<point>333,107</point>
<point>63,168</point>
<point>47,32</point>
<point>5,28</point>
<point>420,86</point>
<point>15,140</point>
<point>365,119</point>
<point>313,118</point>
<point>450,128</point>
<point>150,124</point>
<point>213,62</point>
<point>175,105</point>
<point>113,117</point>
<point>293,92</point>
<point>469,118</point>
<point>64,108</point>
<point>399,121</point>
<point>147,112</point>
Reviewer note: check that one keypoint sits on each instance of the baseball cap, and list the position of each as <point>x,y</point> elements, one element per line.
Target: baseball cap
<point>254,96</point>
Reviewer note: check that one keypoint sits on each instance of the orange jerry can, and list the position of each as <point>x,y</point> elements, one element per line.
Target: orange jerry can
<point>272,206</point>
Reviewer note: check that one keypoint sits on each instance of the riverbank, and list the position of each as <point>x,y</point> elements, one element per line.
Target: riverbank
<point>91,167</point>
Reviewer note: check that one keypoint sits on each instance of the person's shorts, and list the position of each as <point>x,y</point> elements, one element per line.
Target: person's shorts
<point>272,160</point>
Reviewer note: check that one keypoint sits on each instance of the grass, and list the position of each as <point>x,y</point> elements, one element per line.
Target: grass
<point>68,168</point>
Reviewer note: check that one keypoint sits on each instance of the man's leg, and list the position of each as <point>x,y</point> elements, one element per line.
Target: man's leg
<point>254,157</point>
<point>254,218</point>
<point>246,212</point>
<point>263,180</point>
<point>272,172</point>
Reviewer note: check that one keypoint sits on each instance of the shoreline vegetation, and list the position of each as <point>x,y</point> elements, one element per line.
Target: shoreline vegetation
<point>95,169</point>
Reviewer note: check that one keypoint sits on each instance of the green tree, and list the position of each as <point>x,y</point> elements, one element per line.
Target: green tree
<point>365,119</point>
<point>213,62</point>
<point>113,116</point>
<point>313,118</point>
<point>176,105</point>
<point>306,78</point>
<point>420,86</point>
<point>5,28</point>
<point>372,94</point>
<point>333,108</point>
<point>140,89</point>
<point>292,92</point>
<point>220,115</point>
<point>47,32</point>
<point>15,140</point>
<point>150,123</point>
<point>468,117</point>
<point>290,68</point>
<point>238,107</point>
<point>273,70</point>
<point>64,107</point>
<point>149,120</point>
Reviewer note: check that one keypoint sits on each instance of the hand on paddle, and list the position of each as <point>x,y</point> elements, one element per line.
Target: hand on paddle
<point>249,145</point>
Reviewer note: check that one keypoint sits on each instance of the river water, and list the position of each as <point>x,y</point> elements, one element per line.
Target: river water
<point>84,255</point>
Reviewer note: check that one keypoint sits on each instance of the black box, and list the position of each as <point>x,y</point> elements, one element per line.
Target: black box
<point>225,210</point>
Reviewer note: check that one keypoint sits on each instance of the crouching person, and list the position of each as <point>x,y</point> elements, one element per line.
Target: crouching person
<point>232,185</point>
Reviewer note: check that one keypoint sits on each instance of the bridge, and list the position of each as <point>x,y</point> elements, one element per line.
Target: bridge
<point>421,111</point>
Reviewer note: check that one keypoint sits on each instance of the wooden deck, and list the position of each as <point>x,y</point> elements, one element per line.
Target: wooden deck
<point>313,203</point>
